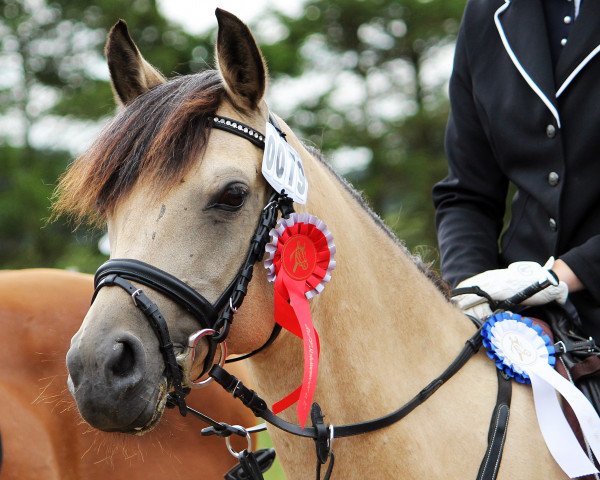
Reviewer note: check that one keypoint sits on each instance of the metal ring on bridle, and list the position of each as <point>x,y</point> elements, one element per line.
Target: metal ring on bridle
<point>248,439</point>
<point>192,343</point>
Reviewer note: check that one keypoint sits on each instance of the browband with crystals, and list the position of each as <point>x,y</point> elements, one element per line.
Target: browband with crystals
<point>238,128</point>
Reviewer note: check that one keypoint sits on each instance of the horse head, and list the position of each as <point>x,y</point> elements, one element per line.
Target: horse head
<point>181,198</point>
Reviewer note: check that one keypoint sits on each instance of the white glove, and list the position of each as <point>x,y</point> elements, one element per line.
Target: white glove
<point>504,283</point>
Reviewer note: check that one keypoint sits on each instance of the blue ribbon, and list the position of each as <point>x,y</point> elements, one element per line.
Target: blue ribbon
<point>499,360</point>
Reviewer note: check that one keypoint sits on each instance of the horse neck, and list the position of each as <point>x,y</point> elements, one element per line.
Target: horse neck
<point>378,319</point>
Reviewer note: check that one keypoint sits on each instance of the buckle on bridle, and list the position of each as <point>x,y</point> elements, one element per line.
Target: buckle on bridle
<point>233,309</point>
<point>135,294</point>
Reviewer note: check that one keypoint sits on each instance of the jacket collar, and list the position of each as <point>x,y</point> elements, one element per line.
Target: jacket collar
<point>582,47</point>
<point>522,29</point>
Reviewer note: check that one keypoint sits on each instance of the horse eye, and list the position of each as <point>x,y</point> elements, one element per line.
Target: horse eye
<point>232,198</point>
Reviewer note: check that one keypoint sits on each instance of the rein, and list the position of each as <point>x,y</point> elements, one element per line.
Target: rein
<point>324,435</point>
<point>259,407</point>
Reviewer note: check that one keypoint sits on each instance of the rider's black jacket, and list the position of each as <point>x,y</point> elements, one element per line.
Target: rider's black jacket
<point>514,118</point>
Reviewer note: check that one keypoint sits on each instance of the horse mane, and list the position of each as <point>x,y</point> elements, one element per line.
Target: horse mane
<point>158,136</point>
<point>423,266</point>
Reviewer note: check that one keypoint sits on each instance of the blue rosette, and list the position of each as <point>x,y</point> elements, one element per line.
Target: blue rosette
<point>524,352</point>
<point>515,343</point>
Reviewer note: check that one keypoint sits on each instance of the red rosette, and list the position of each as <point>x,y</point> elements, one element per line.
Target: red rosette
<point>301,258</point>
<point>320,241</point>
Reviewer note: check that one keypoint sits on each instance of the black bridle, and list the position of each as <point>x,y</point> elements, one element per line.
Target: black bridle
<point>216,316</point>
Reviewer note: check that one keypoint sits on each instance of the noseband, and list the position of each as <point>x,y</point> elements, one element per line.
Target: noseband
<point>216,316</point>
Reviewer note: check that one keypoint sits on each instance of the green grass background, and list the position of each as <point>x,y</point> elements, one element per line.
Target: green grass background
<point>275,472</point>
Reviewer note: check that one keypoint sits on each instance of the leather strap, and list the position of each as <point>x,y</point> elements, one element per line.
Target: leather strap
<point>488,469</point>
<point>253,401</point>
<point>252,465</point>
<point>508,303</point>
<point>163,282</point>
<point>329,468</point>
<point>161,330</point>
<point>238,128</point>
<point>579,345</point>
<point>322,443</point>
<point>274,334</point>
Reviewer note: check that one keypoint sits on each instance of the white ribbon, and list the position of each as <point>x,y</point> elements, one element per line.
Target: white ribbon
<point>521,348</point>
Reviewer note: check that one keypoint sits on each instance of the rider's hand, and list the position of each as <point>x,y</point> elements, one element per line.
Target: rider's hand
<point>504,283</point>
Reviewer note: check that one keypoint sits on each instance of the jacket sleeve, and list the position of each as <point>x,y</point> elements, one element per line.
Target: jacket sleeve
<point>584,260</point>
<point>470,201</point>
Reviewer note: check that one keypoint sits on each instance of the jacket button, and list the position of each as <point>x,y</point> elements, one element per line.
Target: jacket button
<point>551,131</point>
<point>552,224</point>
<point>553,179</point>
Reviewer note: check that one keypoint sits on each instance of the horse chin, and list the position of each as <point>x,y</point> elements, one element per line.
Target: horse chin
<point>157,414</point>
<point>149,412</point>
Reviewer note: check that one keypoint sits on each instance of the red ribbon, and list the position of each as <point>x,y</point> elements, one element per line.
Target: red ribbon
<point>301,261</point>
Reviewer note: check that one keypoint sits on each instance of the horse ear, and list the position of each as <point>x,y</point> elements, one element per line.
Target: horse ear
<point>130,74</point>
<point>240,62</point>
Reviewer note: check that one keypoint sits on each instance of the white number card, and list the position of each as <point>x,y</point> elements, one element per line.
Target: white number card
<point>282,166</point>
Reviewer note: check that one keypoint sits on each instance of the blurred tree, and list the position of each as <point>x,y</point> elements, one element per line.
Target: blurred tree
<point>53,69</point>
<point>375,103</point>
<point>54,50</point>
<point>376,88</point>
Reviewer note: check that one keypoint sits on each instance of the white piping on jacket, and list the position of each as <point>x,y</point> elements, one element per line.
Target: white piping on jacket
<point>578,69</point>
<point>522,71</point>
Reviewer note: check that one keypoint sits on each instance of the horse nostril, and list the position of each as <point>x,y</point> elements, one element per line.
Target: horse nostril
<point>123,359</point>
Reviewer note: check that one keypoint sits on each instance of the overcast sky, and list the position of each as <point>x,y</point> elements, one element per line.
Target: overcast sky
<point>197,16</point>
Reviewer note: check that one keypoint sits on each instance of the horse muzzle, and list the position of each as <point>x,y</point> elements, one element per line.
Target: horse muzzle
<point>114,386</point>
